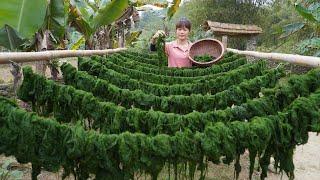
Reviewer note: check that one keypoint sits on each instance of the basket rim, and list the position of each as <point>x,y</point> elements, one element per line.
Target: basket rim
<point>210,62</point>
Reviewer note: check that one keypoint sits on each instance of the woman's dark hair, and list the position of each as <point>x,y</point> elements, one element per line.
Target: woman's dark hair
<point>183,23</point>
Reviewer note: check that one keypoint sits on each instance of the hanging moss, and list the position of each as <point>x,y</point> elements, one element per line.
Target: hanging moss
<point>133,62</point>
<point>176,104</point>
<point>211,86</point>
<point>162,57</point>
<point>204,58</point>
<point>71,104</point>
<point>90,152</point>
<point>125,116</point>
<point>155,78</point>
<point>152,59</point>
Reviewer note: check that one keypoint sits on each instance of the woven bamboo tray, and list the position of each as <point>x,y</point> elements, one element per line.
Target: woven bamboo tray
<point>211,47</point>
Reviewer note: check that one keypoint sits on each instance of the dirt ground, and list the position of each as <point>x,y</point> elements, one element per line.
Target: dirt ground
<point>306,157</point>
<point>6,77</point>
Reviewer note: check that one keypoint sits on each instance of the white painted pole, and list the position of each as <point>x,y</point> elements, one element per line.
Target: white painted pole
<point>49,55</point>
<point>291,58</point>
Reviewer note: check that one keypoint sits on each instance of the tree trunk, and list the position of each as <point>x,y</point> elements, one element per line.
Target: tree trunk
<point>89,44</point>
<point>103,38</point>
<point>121,35</point>
<point>42,44</point>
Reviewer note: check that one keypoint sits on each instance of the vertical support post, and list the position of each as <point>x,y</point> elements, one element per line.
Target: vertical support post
<point>225,41</point>
<point>42,41</point>
<point>251,46</point>
<point>54,66</point>
<point>17,74</point>
<point>251,43</point>
<point>121,38</point>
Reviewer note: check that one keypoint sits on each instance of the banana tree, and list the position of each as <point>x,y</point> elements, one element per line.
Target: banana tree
<point>44,22</point>
<point>93,18</point>
<point>10,38</point>
<point>31,20</point>
<point>310,11</point>
<point>20,19</point>
<point>113,34</point>
<point>29,17</point>
<point>32,25</point>
<point>24,16</point>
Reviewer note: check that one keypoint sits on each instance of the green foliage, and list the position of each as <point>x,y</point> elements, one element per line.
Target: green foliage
<point>308,10</point>
<point>176,104</point>
<point>160,85</point>
<point>204,58</point>
<point>112,62</point>
<point>151,61</point>
<point>132,38</point>
<point>71,105</point>
<point>291,29</point>
<point>273,135</point>
<point>150,22</point>
<point>161,51</point>
<point>311,13</point>
<point>310,46</point>
<point>190,73</point>
<point>10,39</point>
<point>109,13</point>
<point>227,11</point>
<point>79,44</point>
<point>25,16</point>
<point>173,8</point>
<point>56,18</point>
<point>111,128</point>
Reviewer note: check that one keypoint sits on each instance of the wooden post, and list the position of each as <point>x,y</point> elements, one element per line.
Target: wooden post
<point>121,38</point>
<point>251,46</point>
<point>42,42</point>
<point>251,43</point>
<point>17,75</point>
<point>225,41</point>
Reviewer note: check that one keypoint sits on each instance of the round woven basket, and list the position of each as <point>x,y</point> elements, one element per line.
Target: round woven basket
<point>211,47</point>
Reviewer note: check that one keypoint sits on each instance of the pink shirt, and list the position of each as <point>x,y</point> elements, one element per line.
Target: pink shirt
<point>177,56</point>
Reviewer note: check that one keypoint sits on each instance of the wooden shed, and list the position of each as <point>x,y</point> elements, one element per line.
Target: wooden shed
<point>225,29</point>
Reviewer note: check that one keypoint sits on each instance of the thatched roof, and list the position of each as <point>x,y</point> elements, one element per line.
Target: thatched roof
<point>231,29</point>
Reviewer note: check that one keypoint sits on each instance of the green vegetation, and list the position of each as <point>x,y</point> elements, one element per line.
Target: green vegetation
<point>96,125</point>
<point>128,115</point>
<point>204,58</point>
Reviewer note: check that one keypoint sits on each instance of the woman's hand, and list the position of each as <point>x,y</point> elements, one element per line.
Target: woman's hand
<point>157,35</point>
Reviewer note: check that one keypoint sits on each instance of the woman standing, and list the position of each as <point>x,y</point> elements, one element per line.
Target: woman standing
<point>177,51</point>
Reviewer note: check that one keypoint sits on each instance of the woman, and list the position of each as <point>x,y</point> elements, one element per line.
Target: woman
<point>177,51</point>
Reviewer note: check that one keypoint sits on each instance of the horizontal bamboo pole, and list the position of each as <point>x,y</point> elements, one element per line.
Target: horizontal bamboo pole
<point>291,58</point>
<point>19,57</point>
<point>49,55</point>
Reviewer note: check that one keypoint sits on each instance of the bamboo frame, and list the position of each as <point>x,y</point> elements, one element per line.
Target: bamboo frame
<point>291,58</point>
<point>20,57</point>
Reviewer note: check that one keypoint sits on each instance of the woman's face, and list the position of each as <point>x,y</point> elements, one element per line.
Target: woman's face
<point>182,33</point>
